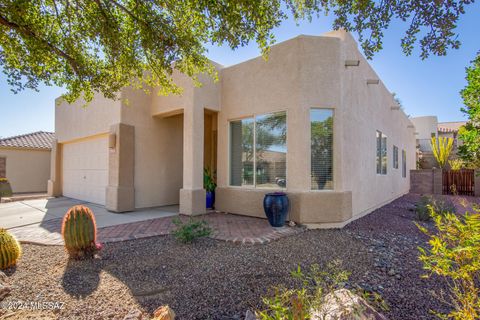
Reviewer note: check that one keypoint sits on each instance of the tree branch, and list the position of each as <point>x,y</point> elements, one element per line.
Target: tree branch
<point>29,33</point>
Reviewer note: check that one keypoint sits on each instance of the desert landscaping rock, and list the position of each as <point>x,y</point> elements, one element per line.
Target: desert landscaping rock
<point>134,314</point>
<point>213,279</point>
<point>342,304</point>
<point>4,286</point>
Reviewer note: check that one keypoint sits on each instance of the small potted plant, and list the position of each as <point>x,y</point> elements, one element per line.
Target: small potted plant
<point>276,207</point>
<point>209,185</point>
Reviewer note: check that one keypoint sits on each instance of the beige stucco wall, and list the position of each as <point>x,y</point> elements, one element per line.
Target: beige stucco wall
<point>27,170</point>
<point>284,83</point>
<point>77,120</point>
<point>205,95</point>
<point>158,151</point>
<point>157,141</point>
<point>302,73</point>
<point>425,126</point>
<point>309,72</point>
<point>365,109</point>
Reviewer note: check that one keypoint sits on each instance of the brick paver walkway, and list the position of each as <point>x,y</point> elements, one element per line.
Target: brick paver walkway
<point>226,227</point>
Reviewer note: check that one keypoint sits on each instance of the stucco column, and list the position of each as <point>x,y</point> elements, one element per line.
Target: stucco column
<point>437,181</point>
<point>192,195</point>
<point>298,143</point>
<point>120,193</point>
<point>54,185</point>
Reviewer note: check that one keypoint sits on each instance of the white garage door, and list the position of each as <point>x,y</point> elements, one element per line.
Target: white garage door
<point>85,170</point>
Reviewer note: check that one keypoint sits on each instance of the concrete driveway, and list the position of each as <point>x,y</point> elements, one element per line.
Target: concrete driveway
<point>31,212</point>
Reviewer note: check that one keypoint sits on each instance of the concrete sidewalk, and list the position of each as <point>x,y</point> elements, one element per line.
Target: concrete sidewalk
<point>40,221</point>
<point>38,212</point>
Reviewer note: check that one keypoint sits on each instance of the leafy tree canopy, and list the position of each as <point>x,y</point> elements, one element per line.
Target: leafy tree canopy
<point>104,45</point>
<point>470,133</point>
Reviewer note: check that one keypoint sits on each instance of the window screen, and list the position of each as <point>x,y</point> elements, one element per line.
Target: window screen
<point>395,157</point>
<point>381,153</point>
<point>241,152</point>
<point>321,126</point>
<point>384,154</point>
<point>404,164</point>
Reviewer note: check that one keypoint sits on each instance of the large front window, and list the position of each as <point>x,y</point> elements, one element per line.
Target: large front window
<point>258,151</point>
<point>321,126</point>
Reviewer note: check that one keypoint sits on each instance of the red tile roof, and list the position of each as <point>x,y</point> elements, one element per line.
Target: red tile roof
<point>34,140</point>
<point>450,126</point>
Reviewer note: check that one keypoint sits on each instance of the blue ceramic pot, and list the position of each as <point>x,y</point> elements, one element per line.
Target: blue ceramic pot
<point>276,206</point>
<point>210,199</point>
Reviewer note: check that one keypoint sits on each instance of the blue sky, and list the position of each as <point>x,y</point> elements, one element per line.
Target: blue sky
<point>428,87</point>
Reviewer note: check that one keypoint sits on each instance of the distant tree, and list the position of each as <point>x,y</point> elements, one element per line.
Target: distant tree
<point>397,99</point>
<point>92,46</point>
<point>469,151</point>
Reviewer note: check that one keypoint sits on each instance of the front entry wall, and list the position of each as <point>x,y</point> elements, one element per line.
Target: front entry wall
<point>305,207</point>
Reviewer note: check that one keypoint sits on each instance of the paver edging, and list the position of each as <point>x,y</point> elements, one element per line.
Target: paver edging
<point>253,236</point>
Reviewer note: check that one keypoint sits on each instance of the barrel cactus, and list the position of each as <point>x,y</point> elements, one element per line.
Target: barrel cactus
<point>79,231</point>
<point>10,249</point>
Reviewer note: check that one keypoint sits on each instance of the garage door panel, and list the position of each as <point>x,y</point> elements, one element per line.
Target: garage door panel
<point>85,170</point>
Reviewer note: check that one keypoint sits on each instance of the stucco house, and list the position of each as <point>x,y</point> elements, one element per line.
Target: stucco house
<point>25,161</point>
<point>314,121</point>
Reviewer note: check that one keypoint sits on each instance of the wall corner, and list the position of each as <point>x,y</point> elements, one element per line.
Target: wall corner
<point>120,192</point>
<point>54,184</point>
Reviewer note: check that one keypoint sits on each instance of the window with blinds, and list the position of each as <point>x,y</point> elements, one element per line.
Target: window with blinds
<point>321,126</point>
<point>381,153</point>
<point>258,151</point>
<point>395,157</point>
<point>404,164</point>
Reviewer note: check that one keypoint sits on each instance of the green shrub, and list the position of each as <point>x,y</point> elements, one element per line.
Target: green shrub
<point>316,285</point>
<point>440,205</point>
<point>299,303</point>
<point>454,254</point>
<point>422,210</point>
<point>190,230</point>
<point>5,188</point>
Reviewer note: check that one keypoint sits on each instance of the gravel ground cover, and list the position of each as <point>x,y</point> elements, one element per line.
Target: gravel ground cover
<point>213,279</point>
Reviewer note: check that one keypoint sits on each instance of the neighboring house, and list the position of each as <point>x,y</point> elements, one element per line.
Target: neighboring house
<point>25,161</point>
<point>428,127</point>
<point>315,121</point>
